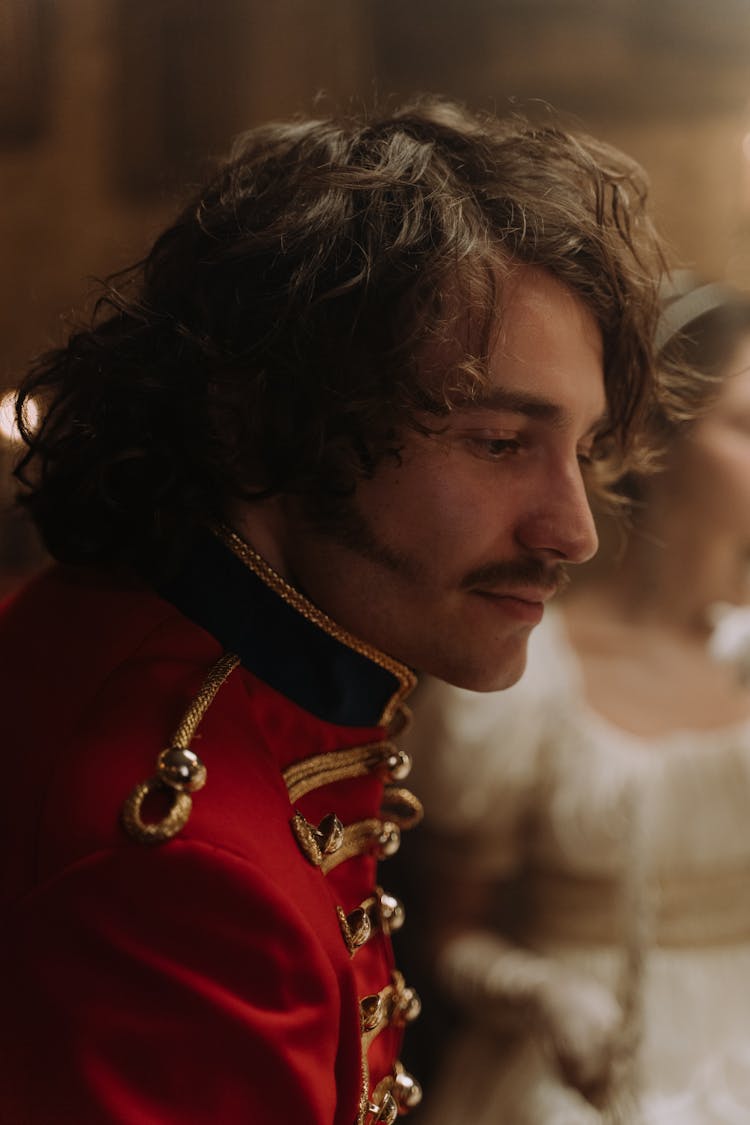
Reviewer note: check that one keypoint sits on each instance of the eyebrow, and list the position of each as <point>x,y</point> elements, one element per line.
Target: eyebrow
<point>530,405</point>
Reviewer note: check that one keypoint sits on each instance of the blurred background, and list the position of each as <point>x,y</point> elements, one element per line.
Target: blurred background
<point>111,109</point>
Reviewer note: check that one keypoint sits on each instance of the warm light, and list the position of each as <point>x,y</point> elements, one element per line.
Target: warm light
<point>8,427</point>
<point>746,147</point>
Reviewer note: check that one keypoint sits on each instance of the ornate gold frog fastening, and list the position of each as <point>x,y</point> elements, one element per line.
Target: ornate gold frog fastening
<point>380,912</point>
<point>331,843</point>
<point>317,843</point>
<point>398,1092</point>
<point>179,770</point>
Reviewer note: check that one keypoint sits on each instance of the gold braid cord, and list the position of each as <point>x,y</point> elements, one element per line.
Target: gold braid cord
<point>330,843</point>
<point>340,765</point>
<point>179,771</point>
<point>379,836</point>
<point>397,1093</point>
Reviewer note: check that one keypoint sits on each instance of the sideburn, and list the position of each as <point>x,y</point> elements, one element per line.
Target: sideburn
<point>339,519</point>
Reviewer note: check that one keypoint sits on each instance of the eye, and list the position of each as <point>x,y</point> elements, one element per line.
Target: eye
<point>496,448</point>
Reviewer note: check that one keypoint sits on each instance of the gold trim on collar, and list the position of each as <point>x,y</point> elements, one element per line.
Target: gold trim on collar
<point>255,562</point>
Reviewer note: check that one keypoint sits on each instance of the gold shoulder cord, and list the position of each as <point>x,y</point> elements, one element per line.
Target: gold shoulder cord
<point>179,770</point>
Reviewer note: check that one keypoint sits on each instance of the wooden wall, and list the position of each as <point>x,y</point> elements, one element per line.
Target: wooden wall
<point>108,108</point>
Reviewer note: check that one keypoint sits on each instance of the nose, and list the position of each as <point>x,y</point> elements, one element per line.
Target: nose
<point>558,522</point>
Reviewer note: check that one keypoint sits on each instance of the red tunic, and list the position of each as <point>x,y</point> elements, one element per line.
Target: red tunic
<point>211,977</point>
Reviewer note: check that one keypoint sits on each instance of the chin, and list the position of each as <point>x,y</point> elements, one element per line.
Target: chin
<point>483,676</point>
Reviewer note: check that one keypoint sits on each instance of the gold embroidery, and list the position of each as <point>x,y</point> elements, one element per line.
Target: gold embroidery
<point>406,678</point>
<point>379,912</point>
<point>381,837</point>
<point>382,1109</point>
<point>342,765</point>
<point>402,806</point>
<point>331,844</point>
<point>364,1098</point>
<point>397,1092</point>
<point>317,843</point>
<point>357,927</point>
<point>180,772</point>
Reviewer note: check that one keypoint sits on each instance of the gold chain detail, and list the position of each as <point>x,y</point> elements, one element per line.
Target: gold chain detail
<point>168,779</point>
<point>406,678</point>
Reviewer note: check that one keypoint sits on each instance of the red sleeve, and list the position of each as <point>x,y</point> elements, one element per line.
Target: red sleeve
<point>196,993</point>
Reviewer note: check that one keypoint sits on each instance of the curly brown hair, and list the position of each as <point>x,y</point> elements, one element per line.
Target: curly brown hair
<point>270,340</point>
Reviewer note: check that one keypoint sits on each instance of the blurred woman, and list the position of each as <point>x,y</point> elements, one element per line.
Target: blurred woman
<point>588,831</point>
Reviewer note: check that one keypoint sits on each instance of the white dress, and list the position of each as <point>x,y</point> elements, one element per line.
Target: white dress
<point>638,858</point>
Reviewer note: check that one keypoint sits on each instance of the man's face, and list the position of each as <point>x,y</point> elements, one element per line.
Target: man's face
<point>446,559</point>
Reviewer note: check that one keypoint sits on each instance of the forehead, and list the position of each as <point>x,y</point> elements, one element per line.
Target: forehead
<point>548,346</point>
<point>539,312</point>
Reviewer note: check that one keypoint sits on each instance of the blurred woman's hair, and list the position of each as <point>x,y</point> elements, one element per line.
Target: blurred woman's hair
<point>270,342</point>
<point>701,327</point>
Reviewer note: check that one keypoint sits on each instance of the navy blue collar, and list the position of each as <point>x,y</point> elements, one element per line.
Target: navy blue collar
<point>282,638</point>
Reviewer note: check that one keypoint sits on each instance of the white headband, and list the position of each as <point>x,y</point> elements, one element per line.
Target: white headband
<point>688,308</point>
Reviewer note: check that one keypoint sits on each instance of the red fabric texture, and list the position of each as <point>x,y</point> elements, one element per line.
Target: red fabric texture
<point>201,980</point>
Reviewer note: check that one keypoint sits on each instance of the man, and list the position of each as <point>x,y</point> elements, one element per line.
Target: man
<point>334,428</point>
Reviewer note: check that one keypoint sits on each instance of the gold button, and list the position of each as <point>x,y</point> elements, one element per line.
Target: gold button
<point>398,765</point>
<point>181,769</point>
<point>392,913</point>
<point>371,1010</point>
<point>389,840</point>
<point>411,1005</point>
<point>385,1113</point>
<point>330,833</point>
<point>359,927</point>
<point>406,1090</point>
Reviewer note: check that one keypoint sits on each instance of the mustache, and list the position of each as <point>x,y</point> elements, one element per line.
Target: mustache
<point>519,572</point>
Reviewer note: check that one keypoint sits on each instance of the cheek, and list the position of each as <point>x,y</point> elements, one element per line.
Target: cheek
<point>440,506</point>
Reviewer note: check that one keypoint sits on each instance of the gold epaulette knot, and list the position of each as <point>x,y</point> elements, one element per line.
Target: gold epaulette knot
<point>179,770</point>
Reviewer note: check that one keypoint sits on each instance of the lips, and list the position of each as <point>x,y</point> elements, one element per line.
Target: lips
<point>525,607</point>
<point>533,596</point>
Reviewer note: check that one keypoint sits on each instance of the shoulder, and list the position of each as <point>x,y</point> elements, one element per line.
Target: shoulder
<point>113,674</point>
